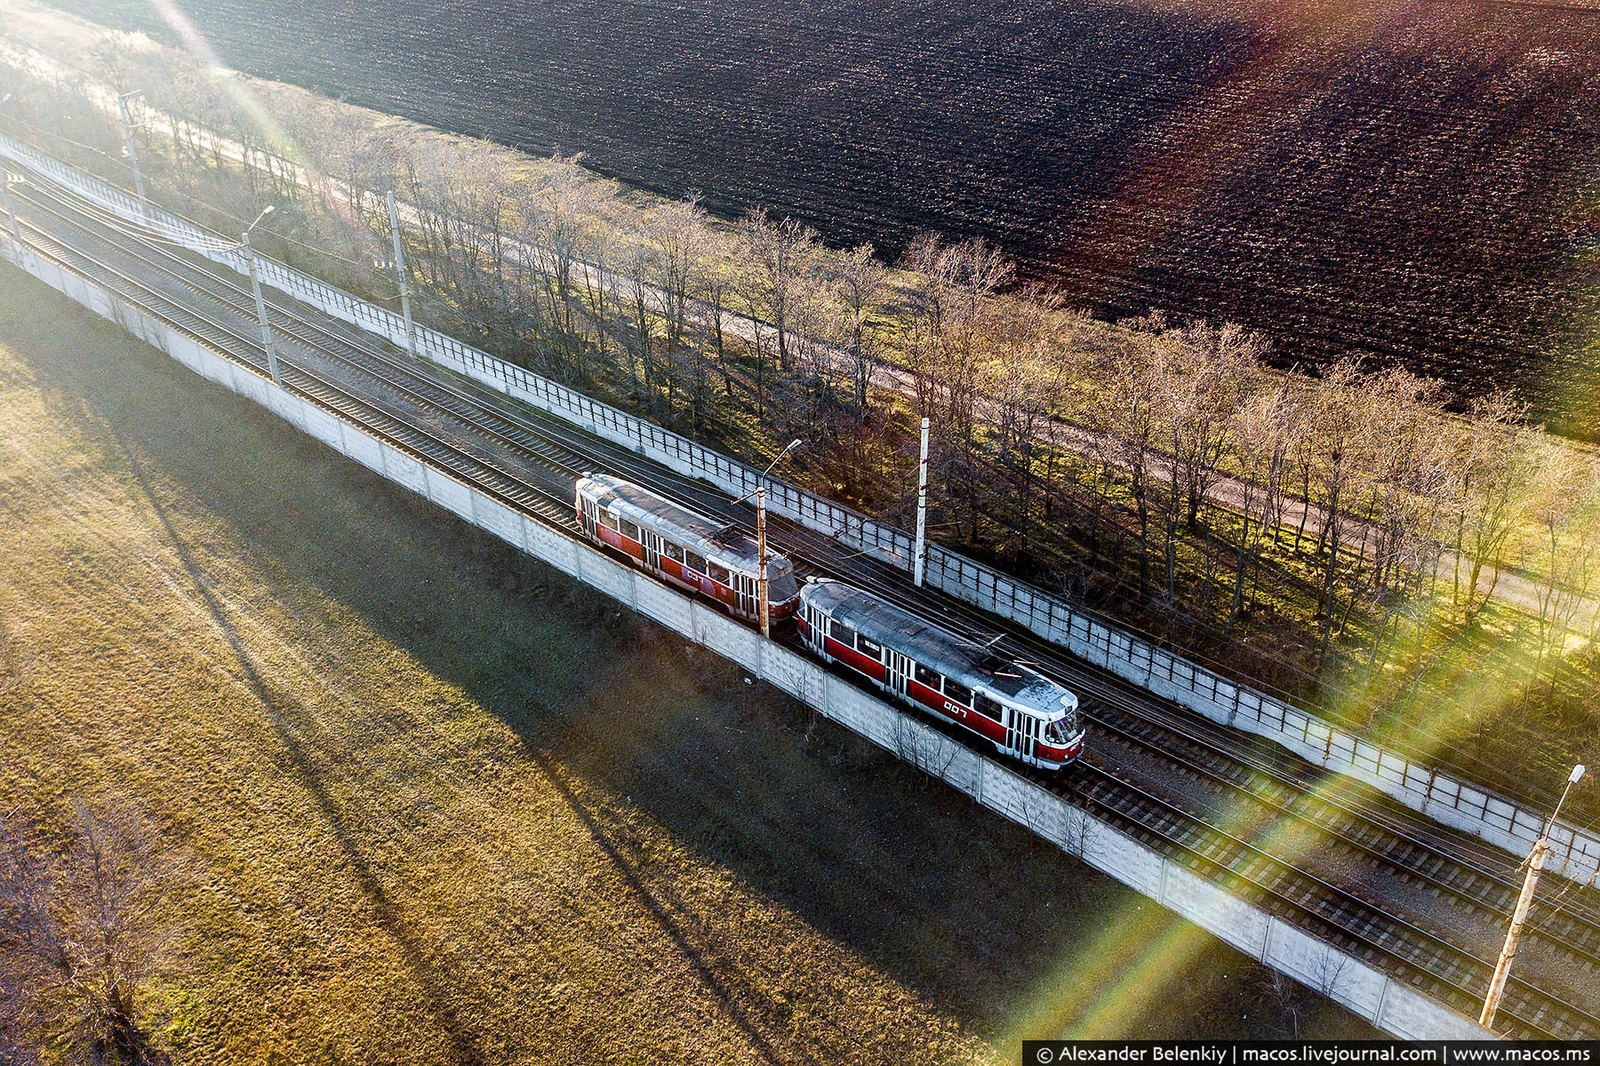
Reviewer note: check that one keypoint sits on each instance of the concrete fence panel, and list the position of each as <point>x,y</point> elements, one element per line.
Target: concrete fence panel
<point>404,471</point>
<point>546,544</point>
<point>494,516</point>
<point>1207,904</point>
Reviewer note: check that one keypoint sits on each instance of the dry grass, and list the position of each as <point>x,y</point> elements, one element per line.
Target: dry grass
<point>452,807</point>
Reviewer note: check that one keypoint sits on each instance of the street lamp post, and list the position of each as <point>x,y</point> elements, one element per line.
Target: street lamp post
<point>761,538</point>
<point>255,287</point>
<point>1519,916</point>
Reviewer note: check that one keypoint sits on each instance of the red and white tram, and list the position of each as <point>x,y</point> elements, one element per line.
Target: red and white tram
<point>1024,713</point>
<point>687,549</point>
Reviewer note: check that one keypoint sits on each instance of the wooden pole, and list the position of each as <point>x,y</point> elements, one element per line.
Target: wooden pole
<point>761,560</point>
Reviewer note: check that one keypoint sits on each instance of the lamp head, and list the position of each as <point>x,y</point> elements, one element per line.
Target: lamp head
<point>1577,773</point>
<point>265,211</point>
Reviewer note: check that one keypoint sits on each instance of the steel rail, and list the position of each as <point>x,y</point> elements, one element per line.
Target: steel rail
<point>851,571</point>
<point>1344,914</point>
<point>364,412</point>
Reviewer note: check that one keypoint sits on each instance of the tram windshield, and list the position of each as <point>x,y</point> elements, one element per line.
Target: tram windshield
<point>1060,731</point>
<point>780,578</point>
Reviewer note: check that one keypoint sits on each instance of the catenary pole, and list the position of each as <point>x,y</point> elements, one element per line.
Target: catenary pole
<point>8,199</point>
<point>127,141</point>
<point>763,609</point>
<point>400,274</point>
<point>921,553</point>
<point>11,211</point>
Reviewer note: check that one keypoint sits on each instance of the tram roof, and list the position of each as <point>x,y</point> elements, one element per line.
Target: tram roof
<point>726,544</point>
<point>967,661</point>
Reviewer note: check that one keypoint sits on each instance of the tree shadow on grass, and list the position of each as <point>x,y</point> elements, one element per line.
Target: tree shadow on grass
<point>430,971</point>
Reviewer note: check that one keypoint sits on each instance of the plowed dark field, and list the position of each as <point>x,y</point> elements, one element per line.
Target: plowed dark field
<point>1413,180</point>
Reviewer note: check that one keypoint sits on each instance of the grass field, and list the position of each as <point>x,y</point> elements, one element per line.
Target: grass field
<point>447,805</point>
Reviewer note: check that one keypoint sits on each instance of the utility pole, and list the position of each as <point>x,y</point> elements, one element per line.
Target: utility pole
<point>127,140</point>
<point>760,493</point>
<point>761,560</point>
<point>921,551</point>
<point>261,304</point>
<point>400,272</point>
<point>1519,917</point>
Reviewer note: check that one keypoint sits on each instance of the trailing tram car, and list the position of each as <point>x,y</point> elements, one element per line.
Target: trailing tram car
<point>1024,713</point>
<point>687,549</point>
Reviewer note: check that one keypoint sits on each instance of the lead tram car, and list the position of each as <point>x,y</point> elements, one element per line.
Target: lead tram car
<point>687,549</point>
<point>1025,714</point>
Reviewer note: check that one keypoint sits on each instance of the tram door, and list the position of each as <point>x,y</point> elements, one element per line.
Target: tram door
<point>650,549</point>
<point>1019,729</point>
<point>896,668</point>
<point>749,602</point>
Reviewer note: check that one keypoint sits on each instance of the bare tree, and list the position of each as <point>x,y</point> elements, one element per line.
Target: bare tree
<point>1022,384</point>
<point>1126,422</point>
<point>927,750</point>
<point>1289,994</point>
<point>81,935</point>
<point>783,253</point>
<point>1568,515</point>
<point>1329,972</point>
<point>566,204</point>
<point>713,288</point>
<point>859,280</point>
<point>1260,440</point>
<point>925,310</point>
<point>1336,424</point>
<point>1497,468</point>
<point>675,232</point>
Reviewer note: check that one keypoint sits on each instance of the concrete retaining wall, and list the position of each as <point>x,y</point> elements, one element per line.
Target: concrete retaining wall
<point>1390,1004</point>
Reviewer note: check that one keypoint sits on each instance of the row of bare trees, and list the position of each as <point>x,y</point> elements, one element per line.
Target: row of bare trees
<point>1160,466</point>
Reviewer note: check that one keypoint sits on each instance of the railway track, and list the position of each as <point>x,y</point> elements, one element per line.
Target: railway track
<point>528,462</point>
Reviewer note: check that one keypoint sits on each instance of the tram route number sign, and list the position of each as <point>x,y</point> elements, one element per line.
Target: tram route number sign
<point>1310,1053</point>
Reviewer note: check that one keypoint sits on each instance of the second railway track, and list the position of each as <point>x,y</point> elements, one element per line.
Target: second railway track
<point>528,460</point>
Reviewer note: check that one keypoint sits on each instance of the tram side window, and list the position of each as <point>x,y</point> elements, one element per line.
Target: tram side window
<point>844,634</point>
<point>695,562</point>
<point>868,647</point>
<point>927,677</point>
<point>672,551</point>
<point>958,692</point>
<point>719,574</point>
<point>630,530</point>
<point>608,520</point>
<point>986,706</point>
